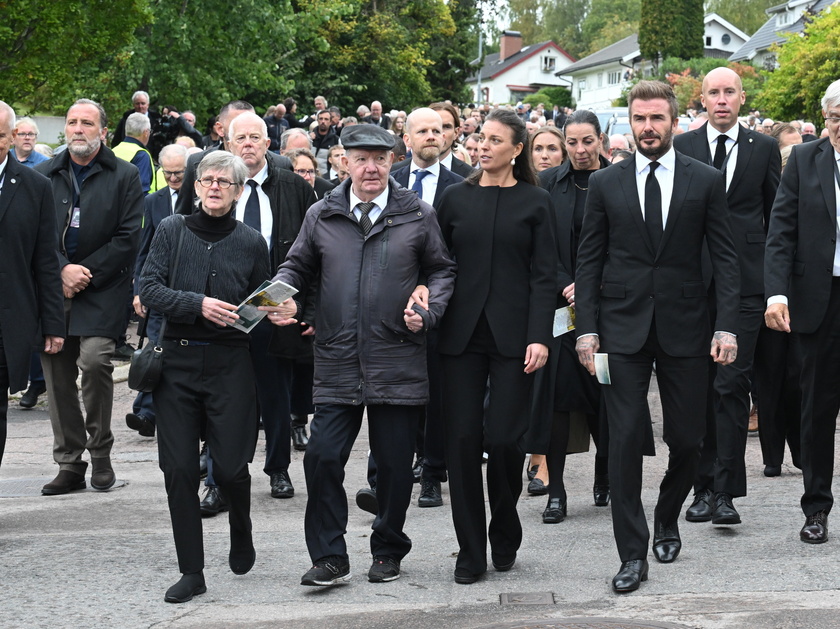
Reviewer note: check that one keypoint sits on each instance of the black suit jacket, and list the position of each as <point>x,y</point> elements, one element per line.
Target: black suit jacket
<point>445,179</point>
<point>460,167</point>
<point>31,298</point>
<point>801,239</point>
<point>157,206</point>
<point>503,242</point>
<point>322,186</point>
<point>621,282</point>
<point>750,197</point>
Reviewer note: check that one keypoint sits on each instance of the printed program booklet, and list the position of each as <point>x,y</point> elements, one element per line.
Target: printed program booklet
<point>268,294</point>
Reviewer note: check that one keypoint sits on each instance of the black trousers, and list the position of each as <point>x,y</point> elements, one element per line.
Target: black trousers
<point>778,370</point>
<point>500,431</point>
<point>430,440</point>
<point>820,405</point>
<point>722,466</point>
<point>682,387</point>
<point>4,397</point>
<point>212,383</point>
<point>274,385</point>
<point>333,431</point>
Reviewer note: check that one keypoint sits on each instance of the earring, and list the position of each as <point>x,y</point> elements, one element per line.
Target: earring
<point>513,162</point>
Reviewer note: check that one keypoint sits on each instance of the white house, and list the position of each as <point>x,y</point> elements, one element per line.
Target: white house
<point>782,19</point>
<point>514,72</point>
<point>597,80</point>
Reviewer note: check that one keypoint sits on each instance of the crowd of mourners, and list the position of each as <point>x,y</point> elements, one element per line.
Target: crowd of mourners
<point>480,283</point>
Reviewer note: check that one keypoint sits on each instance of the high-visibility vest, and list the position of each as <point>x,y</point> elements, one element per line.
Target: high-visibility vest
<point>127,151</point>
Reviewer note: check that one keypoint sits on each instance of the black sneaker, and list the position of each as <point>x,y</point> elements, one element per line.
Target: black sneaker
<point>327,571</point>
<point>384,569</point>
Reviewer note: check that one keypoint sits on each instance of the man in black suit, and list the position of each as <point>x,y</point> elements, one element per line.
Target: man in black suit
<point>429,178</point>
<point>641,298</point>
<point>802,280</point>
<point>274,203</point>
<point>451,128</point>
<point>31,310</point>
<point>377,117</point>
<point>158,205</point>
<point>752,166</point>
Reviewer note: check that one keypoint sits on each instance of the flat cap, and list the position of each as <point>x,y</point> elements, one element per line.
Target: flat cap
<point>367,136</point>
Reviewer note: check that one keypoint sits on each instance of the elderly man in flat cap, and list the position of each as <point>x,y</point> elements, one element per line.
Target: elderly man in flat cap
<point>366,243</point>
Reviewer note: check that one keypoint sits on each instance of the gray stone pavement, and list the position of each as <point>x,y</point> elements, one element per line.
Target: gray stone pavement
<point>93,559</point>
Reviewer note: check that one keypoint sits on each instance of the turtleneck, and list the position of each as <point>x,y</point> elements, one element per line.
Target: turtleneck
<point>211,228</point>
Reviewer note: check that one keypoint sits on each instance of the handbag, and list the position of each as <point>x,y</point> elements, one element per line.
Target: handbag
<point>147,361</point>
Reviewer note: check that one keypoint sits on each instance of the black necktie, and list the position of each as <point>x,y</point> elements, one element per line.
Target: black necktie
<point>653,207</point>
<point>252,208</point>
<point>418,181</point>
<point>365,221</point>
<point>720,152</point>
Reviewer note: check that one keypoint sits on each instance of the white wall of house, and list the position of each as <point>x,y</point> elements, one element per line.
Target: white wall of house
<point>535,71</point>
<point>719,37</point>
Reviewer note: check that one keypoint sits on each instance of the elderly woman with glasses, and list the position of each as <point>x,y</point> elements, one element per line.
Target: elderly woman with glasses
<point>207,375</point>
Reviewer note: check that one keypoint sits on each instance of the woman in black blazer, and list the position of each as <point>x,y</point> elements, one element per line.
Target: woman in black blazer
<point>499,226</point>
<point>565,392</point>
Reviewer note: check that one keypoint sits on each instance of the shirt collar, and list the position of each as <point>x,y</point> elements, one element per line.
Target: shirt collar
<point>712,133</point>
<point>261,176</point>
<point>381,201</point>
<point>434,169</point>
<point>3,166</point>
<point>447,161</point>
<point>667,161</point>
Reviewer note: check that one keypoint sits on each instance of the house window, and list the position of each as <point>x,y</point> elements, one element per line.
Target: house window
<point>600,79</point>
<point>708,41</point>
<point>549,63</point>
<point>613,78</point>
<point>582,84</point>
<point>726,39</point>
<point>783,18</point>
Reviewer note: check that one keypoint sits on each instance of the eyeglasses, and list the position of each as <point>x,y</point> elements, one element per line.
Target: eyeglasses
<point>224,184</point>
<point>27,134</point>
<point>304,173</point>
<point>833,122</point>
<point>175,174</point>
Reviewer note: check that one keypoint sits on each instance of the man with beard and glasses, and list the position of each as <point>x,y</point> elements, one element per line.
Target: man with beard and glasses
<point>641,298</point>
<point>99,207</point>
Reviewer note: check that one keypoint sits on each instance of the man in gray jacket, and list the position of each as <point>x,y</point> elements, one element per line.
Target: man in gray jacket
<point>366,244</point>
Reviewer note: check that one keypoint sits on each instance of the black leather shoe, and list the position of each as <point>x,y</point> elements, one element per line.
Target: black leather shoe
<point>281,485</point>
<point>666,542</point>
<point>30,398</point>
<point>190,585</point>
<point>630,576</point>
<point>202,461</point>
<point>555,511</point>
<point>724,511</point>
<point>701,509</point>
<point>417,470</point>
<point>601,490</point>
<point>299,438</point>
<point>430,494</point>
<point>213,503</point>
<point>64,483</point>
<point>772,470</point>
<point>503,564</point>
<point>242,555</point>
<point>532,472</point>
<point>537,488</point>
<point>815,530</point>
<point>140,424</point>
<point>366,500</point>
<point>465,577</point>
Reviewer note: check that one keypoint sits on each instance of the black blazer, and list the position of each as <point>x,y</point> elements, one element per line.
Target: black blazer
<point>621,281</point>
<point>157,206</point>
<point>750,197</point>
<point>31,298</point>
<point>503,242</point>
<point>460,167</point>
<point>445,179</point>
<point>801,239</point>
<point>322,186</point>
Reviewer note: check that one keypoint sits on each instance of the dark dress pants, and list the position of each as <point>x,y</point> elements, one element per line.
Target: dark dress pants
<point>274,383</point>
<point>820,405</point>
<point>682,388</point>
<point>301,395</point>
<point>215,382</point>
<point>722,466</point>
<point>4,397</point>
<point>778,370</point>
<point>468,431</point>
<point>333,430</point>
<point>432,435</point>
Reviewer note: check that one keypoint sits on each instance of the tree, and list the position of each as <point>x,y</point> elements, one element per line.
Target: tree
<point>551,96</point>
<point>452,55</point>
<point>45,43</point>
<point>671,29</point>
<point>808,63</point>
<point>610,21</point>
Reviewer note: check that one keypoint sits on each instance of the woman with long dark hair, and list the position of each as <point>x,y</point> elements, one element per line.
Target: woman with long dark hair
<point>498,225</point>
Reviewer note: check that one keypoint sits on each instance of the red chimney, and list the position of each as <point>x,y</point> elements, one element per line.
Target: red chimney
<point>510,45</point>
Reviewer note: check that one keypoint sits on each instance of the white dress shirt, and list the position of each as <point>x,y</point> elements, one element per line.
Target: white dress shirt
<point>712,135</point>
<point>664,176</point>
<point>429,182</point>
<point>379,204</point>
<point>266,218</point>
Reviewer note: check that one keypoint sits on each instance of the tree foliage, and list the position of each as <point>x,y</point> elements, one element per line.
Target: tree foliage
<point>808,64</point>
<point>551,96</point>
<point>671,29</point>
<point>686,77</point>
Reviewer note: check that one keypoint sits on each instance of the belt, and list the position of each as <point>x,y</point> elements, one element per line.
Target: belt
<point>187,342</point>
